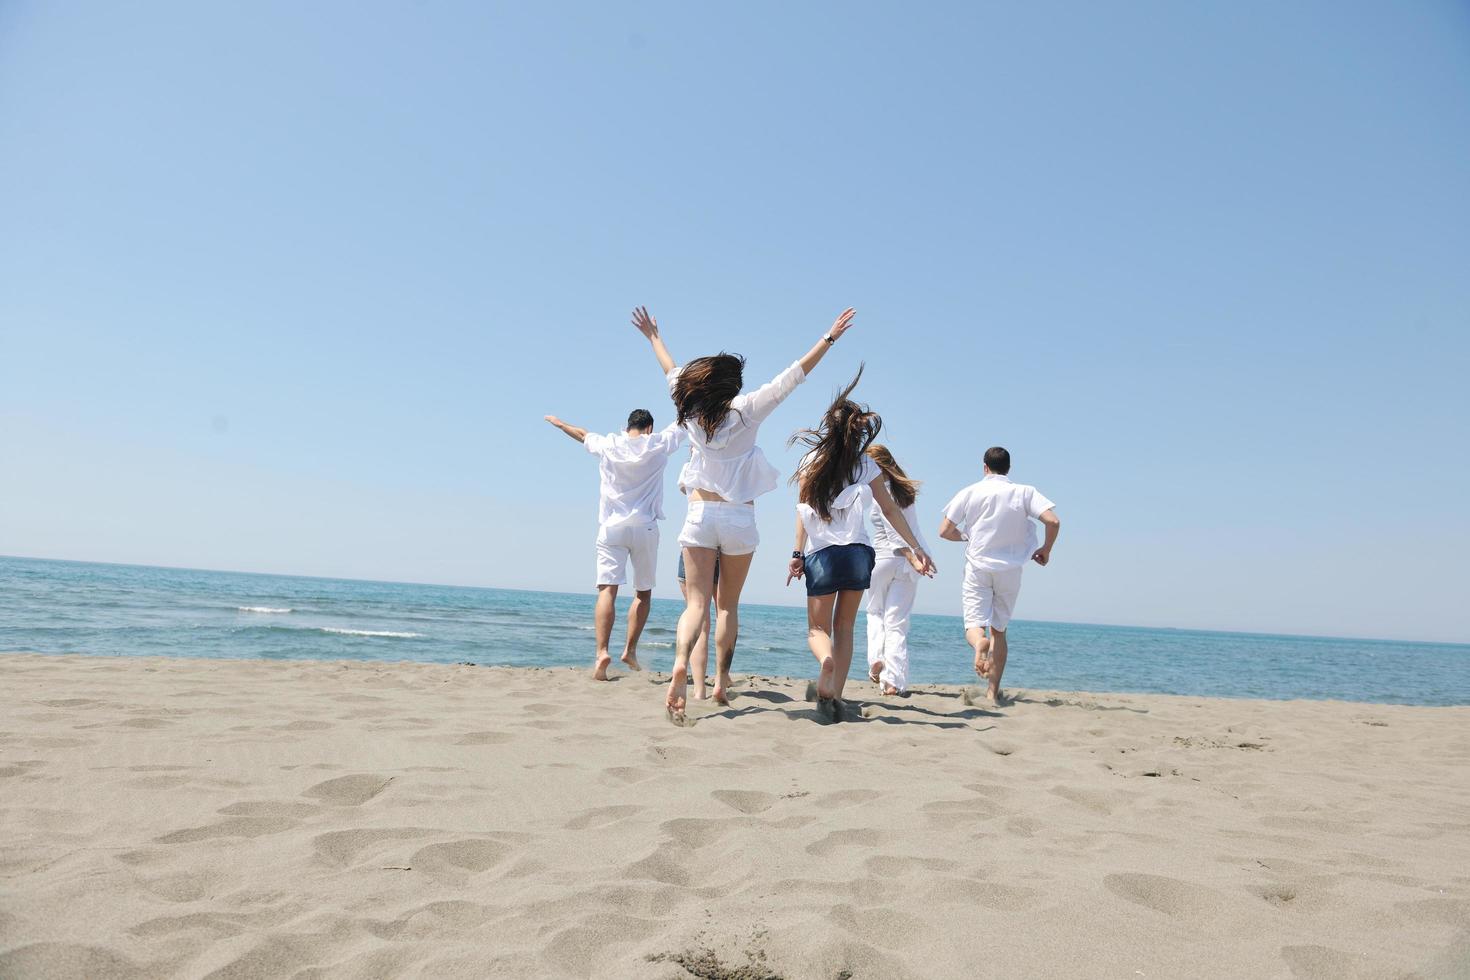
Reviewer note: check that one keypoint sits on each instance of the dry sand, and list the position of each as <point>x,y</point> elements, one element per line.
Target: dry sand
<point>193,818</point>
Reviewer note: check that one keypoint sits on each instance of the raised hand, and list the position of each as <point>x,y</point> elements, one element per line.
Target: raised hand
<point>840,325</point>
<point>645,323</point>
<point>555,421</point>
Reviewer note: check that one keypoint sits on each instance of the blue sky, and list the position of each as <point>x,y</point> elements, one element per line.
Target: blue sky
<point>288,287</point>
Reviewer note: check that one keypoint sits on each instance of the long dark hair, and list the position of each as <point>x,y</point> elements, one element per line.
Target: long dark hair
<point>835,450</point>
<point>904,490</point>
<point>706,387</point>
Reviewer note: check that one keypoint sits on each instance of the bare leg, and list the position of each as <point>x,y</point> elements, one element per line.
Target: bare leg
<point>819,638</point>
<point>733,570</point>
<point>997,664</point>
<point>844,617</point>
<point>977,639</point>
<point>699,656</point>
<point>699,570</point>
<point>637,618</point>
<point>602,619</point>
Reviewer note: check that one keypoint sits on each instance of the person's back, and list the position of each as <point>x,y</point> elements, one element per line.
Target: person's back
<point>995,519</point>
<point>999,519</point>
<point>630,504</point>
<point>631,466</point>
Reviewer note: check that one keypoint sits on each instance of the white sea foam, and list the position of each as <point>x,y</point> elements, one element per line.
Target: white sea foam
<point>389,633</point>
<point>262,609</point>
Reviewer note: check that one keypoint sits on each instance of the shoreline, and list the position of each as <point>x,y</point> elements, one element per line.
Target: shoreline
<point>175,816</point>
<point>858,689</point>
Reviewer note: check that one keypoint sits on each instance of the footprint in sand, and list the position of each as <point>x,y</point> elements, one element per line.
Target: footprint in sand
<point>746,801</point>
<point>186,886</point>
<point>460,855</point>
<point>268,808</point>
<point>695,832</point>
<point>233,827</point>
<point>484,738</point>
<point>895,866</point>
<point>67,960</point>
<point>352,790</point>
<point>601,816</point>
<point>624,775</point>
<point>972,892</point>
<point>342,847</point>
<point>1170,896</point>
<point>864,837</point>
<point>305,725</point>
<point>659,866</point>
<point>1323,963</point>
<point>845,798</point>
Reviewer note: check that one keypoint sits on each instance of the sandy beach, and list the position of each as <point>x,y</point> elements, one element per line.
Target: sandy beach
<point>198,818</point>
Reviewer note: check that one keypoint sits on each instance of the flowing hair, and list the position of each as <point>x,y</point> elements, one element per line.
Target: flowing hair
<point>705,388</point>
<point>904,489</point>
<point>834,450</point>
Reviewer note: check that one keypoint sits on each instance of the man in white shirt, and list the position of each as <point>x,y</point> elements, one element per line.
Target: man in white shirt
<point>995,517</point>
<point>632,466</point>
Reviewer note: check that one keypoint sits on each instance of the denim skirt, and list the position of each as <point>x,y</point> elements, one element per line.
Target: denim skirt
<point>839,568</point>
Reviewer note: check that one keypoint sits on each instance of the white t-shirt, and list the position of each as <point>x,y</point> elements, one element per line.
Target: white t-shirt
<point>632,469</point>
<point>849,523</point>
<point>886,539</point>
<point>996,516</point>
<point>731,464</point>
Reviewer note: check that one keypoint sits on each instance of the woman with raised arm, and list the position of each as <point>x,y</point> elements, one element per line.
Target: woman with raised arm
<point>891,596</point>
<point>836,481</point>
<point>725,473</point>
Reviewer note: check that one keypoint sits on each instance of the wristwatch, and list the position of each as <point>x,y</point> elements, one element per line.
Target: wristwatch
<point>829,339</point>
<point>797,554</point>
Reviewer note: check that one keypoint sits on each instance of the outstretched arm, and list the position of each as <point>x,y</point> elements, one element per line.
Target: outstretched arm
<point>819,350</point>
<point>648,327</point>
<point>950,531</point>
<point>576,432</point>
<point>1053,525</point>
<point>921,561</point>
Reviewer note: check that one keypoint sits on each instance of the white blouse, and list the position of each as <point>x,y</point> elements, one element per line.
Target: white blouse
<point>731,464</point>
<point>886,539</point>
<point>849,524</point>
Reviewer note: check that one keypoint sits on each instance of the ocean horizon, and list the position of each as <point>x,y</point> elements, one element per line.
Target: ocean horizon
<point>64,606</point>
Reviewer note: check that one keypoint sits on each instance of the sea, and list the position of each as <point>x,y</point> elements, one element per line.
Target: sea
<point>138,611</point>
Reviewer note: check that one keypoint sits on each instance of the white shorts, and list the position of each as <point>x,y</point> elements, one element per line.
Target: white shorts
<point>990,596</point>
<point>718,524</point>
<point>618,543</point>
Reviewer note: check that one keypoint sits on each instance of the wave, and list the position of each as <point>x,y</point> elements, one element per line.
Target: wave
<point>392,634</point>
<point>262,609</point>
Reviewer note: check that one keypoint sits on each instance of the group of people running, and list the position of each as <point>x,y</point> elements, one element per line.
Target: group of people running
<point>845,480</point>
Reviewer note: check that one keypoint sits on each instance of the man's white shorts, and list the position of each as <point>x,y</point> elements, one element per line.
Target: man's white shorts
<point>620,542</point>
<point>717,524</point>
<point>990,596</point>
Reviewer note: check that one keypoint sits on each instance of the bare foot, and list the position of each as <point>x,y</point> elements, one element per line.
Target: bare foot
<point>630,660</point>
<point>996,695</point>
<point>825,680</point>
<point>722,689</point>
<point>875,672</point>
<point>599,673</point>
<point>678,687</point>
<point>889,690</point>
<point>982,666</point>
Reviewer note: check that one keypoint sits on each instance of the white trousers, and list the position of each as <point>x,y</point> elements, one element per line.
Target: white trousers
<point>890,600</point>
